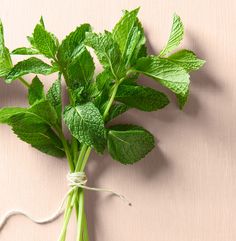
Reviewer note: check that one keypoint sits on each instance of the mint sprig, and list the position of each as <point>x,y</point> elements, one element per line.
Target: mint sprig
<point>95,99</point>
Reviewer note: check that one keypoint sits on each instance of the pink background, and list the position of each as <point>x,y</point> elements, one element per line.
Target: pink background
<point>185,190</point>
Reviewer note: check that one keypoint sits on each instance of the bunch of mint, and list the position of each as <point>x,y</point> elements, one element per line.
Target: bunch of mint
<point>94,100</point>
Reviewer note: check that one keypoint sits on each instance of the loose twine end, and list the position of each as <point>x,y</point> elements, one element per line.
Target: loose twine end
<point>75,180</point>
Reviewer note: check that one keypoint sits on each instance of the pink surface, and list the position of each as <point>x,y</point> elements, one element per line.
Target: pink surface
<point>185,190</point>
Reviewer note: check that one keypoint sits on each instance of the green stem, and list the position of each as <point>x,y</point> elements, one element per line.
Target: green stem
<point>85,228</point>
<point>80,216</point>
<point>24,82</point>
<point>111,100</point>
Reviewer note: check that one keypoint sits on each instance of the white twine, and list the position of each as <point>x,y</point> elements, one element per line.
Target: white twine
<point>75,180</point>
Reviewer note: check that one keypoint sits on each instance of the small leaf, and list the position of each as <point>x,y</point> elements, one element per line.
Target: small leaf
<point>107,51</point>
<point>166,72</point>
<point>176,35</point>
<point>25,51</point>
<point>35,91</point>
<point>187,59</point>
<point>71,43</point>
<point>44,41</point>
<point>80,69</point>
<point>54,97</point>
<point>5,58</point>
<point>86,124</point>
<point>140,97</point>
<point>122,33</point>
<point>128,143</point>
<point>31,65</point>
<point>116,110</point>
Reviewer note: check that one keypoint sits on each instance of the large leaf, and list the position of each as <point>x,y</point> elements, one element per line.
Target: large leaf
<point>176,35</point>
<point>140,97</point>
<point>71,43</point>
<point>80,69</point>
<point>55,98</point>
<point>128,143</point>
<point>44,41</point>
<point>107,51</point>
<point>187,59</point>
<point>86,124</point>
<point>35,91</point>
<point>5,58</point>
<point>166,72</point>
<point>33,129</point>
<point>31,65</point>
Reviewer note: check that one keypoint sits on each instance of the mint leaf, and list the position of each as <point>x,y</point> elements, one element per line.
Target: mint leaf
<point>33,130</point>
<point>5,58</point>
<point>142,98</point>
<point>116,110</point>
<point>54,97</point>
<point>176,35</point>
<point>31,65</point>
<point>107,51</point>
<point>25,51</point>
<point>166,72</point>
<point>123,31</point>
<point>128,143</point>
<point>45,42</point>
<point>187,59</point>
<point>80,69</point>
<point>129,35</point>
<point>86,124</point>
<point>71,43</point>
<point>35,91</point>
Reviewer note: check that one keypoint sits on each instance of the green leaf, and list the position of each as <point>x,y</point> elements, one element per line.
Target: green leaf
<point>54,97</point>
<point>44,41</point>
<point>71,43</point>
<point>176,35</point>
<point>104,79</point>
<point>31,65</point>
<point>5,58</point>
<point>25,51</point>
<point>187,59</point>
<point>86,124</point>
<point>33,129</point>
<point>35,91</point>
<point>116,110</point>
<point>142,98</point>
<point>123,31</point>
<point>8,112</point>
<point>166,72</point>
<point>107,51</point>
<point>128,143</point>
<point>80,69</point>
